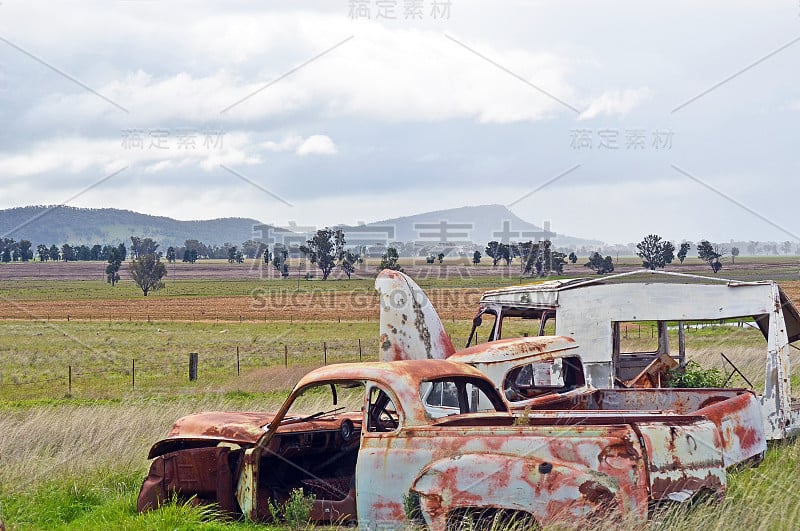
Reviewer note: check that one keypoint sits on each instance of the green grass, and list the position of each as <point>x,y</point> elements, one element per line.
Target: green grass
<point>77,462</point>
<point>96,485</point>
<point>44,290</point>
<point>35,356</point>
<point>80,465</point>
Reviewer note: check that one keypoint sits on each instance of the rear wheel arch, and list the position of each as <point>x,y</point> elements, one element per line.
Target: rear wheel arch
<point>513,485</point>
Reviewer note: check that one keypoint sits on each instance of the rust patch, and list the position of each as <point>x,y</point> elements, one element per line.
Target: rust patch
<point>422,327</point>
<point>748,436</point>
<point>596,493</point>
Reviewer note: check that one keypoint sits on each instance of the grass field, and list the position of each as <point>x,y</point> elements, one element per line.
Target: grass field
<point>74,459</point>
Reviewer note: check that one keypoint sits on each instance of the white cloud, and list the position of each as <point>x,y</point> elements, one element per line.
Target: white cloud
<point>80,155</point>
<point>313,145</point>
<point>290,143</point>
<point>395,75</point>
<point>317,145</point>
<point>616,102</point>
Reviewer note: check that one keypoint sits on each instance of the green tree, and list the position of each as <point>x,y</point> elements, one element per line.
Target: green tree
<point>135,246</point>
<point>67,253</point>
<point>190,256</point>
<point>171,254</point>
<point>55,254</point>
<point>684,250</point>
<point>114,263</point>
<point>573,257</point>
<point>599,264</point>
<point>123,252</point>
<point>147,272</point>
<point>43,252</point>
<point>95,252</point>
<point>280,256</point>
<point>390,260</point>
<point>506,253</point>
<point>25,252</point>
<point>83,253</point>
<point>321,250</point>
<point>476,257</point>
<point>347,263</point>
<point>104,252</point>
<point>199,248</point>
<point>5,256</point>
<point>493,251</point>
<point>251,249</point>
<point>655,252</point>
<point>710,254</point>
<point>735,253</point>
<point>232,254</point>
<point>557,263</point>
<point>440,256</point>
<point>539,257</point>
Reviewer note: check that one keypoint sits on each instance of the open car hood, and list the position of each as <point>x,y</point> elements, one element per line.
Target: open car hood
<point>215,426</point>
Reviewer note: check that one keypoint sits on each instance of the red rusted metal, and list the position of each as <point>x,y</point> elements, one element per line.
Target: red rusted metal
<point>591,454</point>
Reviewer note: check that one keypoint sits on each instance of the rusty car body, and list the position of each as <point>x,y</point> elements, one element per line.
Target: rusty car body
<point>594,311</point>
<point>544,376</point>
<point>393,459</point>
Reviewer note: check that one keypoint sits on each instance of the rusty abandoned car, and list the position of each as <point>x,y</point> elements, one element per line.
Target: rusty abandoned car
<point>510,428</point>
<point>402,460</point>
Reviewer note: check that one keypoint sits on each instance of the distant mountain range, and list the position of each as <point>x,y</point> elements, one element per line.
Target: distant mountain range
<point>62,224</point>
<point>478,224</point>
<point>457,226</point>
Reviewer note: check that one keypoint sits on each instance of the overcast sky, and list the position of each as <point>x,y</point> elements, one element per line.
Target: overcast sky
<point>609,119</point>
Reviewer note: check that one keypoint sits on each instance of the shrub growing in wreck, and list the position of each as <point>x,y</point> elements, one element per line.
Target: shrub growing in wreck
<point>296,512</point>
<point>694,375</point>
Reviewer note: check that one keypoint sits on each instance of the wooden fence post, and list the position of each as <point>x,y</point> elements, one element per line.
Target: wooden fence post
<point>193,360</point>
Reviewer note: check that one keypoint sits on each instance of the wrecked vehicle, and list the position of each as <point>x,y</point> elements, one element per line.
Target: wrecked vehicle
<point>543,377</point>
<point>370,443</point>
<point>598,313</point>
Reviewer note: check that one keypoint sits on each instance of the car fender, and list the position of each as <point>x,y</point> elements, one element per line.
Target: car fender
<point>548,490</point>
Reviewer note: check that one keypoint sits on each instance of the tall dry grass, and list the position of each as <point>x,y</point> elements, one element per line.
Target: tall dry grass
<point>83,441</point>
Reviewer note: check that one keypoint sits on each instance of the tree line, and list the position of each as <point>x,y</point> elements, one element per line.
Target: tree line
<point>327,249</point>
<point>22,251</point>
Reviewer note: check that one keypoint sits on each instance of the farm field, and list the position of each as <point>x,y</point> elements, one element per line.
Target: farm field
<point>91,376</point>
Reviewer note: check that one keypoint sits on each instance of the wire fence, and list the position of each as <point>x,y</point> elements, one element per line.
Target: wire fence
<point>162,373</point>
<point>165,372</point>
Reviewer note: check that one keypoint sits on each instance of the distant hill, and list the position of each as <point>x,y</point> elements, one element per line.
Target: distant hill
<point>478,224</point>
<point>63,224</point>
<point>459,226</point>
